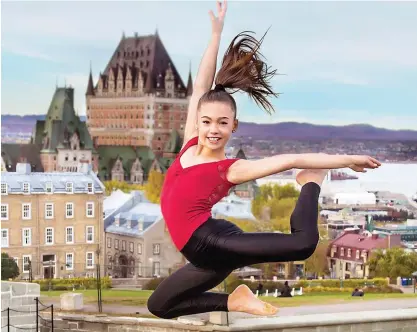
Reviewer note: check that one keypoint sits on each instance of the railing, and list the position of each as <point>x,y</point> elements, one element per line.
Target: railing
<point>16,316</point>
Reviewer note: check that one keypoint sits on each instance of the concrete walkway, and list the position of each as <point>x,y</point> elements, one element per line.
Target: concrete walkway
<point>355,306</point>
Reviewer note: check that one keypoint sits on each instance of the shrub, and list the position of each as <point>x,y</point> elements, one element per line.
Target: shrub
<point>77,283</point>
<point>152,284</point>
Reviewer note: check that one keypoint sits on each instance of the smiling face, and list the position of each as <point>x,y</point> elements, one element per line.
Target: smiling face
<point>216,120</point>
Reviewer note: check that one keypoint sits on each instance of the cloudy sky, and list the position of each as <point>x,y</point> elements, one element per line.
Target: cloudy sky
<point>350,62</point>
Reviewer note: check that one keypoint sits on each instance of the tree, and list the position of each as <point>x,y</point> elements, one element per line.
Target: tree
<point>317,263</point>
<point>153,187</point>
<point>392,263</point>
<point>122,185</point>
<point>9,268</point>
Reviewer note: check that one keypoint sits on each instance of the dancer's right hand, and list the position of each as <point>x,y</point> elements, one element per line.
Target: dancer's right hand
<point>217,22</point>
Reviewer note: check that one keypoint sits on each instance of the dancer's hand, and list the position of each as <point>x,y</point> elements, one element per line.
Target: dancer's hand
<point>217,22</point>
<point>359,163</point>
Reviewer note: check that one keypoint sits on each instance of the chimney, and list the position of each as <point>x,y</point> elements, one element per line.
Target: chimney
<point>129,223</point>
<point>117,221</point>
<point>23,168</point>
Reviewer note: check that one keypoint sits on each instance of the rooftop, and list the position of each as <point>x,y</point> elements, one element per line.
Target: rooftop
<point>41,182</point>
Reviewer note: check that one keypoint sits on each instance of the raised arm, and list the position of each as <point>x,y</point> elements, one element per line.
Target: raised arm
<point>206,71</point>
<point>246,170</point>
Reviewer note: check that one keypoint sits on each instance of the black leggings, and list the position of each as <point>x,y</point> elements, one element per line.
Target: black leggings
<point>218,247</point>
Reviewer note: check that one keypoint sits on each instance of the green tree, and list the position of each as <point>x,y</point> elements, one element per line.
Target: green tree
<point>317,263</point>
<point>9,268</point>
<point>392,263</point>
<point>122,185</point>
<point>153,187</point>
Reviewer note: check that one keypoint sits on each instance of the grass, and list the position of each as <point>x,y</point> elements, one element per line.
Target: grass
<point>139,298</point>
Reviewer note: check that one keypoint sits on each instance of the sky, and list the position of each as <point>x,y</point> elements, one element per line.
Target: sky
<point>341,62</point>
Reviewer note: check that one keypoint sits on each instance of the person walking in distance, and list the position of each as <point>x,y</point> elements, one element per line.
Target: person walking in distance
<point>201,175</point>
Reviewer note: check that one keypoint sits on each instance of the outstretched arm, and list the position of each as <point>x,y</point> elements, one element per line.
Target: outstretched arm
<point>246,170</point>
<point>206,71</point>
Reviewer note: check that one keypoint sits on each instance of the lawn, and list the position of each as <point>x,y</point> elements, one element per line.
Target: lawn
<point>139,298</point>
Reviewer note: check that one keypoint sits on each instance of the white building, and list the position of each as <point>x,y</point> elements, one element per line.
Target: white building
<point>355,198</point>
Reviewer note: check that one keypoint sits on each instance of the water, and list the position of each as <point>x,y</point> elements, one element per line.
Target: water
<point>396,178</point>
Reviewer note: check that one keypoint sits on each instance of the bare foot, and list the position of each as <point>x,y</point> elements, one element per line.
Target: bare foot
<point>243,300</point>
<point>311,175</point>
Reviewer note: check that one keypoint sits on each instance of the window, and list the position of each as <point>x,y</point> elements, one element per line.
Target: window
<point>123,245</point>
<point>116,244</point>
<point>26,187</point>
<point>349,253</point>
<point>156,268</point>
<point>89,234</point>
<point>69,210</point>
<point>89,260</point>
<point>108,242</point>
<point>140,248</point>
<point>5,212</point>
<point>69,187</point>
<point>49,210</point>
<point>49,235</point>
<point>90,209</point>
<point>90,188</point>
<point>357,254</point>
<point>26,263</point>
<point>69,235</point>
<point>4,238</point>
<point>69,261</point>
<point>48,187</point>
<point>156,249</point>
<point>4,188</point>
<point>131,247</point>
<point>26,236</point>
<point>342,251</point>
<point>26,211</point>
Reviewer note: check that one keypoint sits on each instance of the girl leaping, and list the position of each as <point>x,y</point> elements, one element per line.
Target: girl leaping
<point>201,175</point>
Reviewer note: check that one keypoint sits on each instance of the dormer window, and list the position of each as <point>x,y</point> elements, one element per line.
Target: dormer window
<point>69,187</point>
<point>90,188</point>
<point>342,251</point>
<point>26,187</point>
<point>4,188</point>
<point>49,188</point>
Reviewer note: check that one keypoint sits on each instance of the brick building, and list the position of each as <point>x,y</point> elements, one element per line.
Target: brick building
<point>52,220</point>
<point>139,99</point>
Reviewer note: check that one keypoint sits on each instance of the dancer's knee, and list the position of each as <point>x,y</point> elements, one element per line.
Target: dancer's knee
<point>157,306</point>
<point>308,245</point>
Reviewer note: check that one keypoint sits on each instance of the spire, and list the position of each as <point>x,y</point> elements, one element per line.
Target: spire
<point>190,83</point>
<point>156,31</point>
<point>90,85</point>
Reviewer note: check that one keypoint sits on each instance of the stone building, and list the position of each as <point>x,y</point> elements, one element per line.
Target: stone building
<point>140,98</point>
<point>59,143</point>
<point>133,163</point>
<point>137,241</point>
<point>52,223</point>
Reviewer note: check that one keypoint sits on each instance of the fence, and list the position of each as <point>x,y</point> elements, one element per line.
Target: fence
<point>13,319</point>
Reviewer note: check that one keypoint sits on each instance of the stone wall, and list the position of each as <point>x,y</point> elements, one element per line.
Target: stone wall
<point>404,320</point>
<point>20,298</point>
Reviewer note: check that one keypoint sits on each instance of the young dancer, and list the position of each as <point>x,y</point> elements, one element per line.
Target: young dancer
<point>200,176</point>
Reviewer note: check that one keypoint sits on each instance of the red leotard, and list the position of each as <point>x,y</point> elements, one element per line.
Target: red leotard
<point>188,194</point>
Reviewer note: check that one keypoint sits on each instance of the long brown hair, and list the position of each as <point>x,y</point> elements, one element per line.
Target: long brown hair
<point>243,69</point>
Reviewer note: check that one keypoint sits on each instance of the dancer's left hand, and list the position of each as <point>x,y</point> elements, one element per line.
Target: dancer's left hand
<point>360,163</point>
